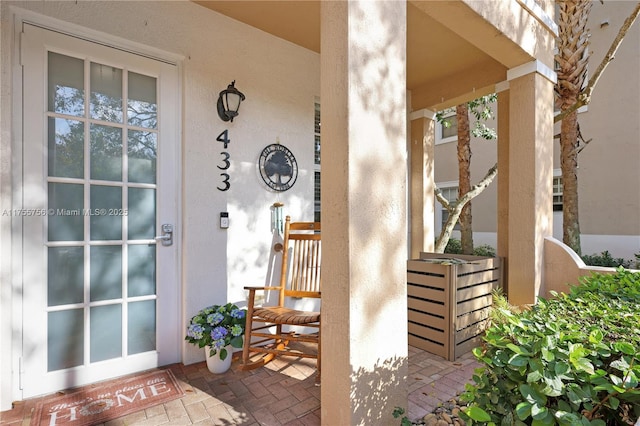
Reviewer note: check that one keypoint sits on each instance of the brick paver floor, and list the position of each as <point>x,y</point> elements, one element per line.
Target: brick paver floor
<point>281,393</point>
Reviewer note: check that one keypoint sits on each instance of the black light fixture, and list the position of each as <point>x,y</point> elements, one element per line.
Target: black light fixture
<point>229,102</point>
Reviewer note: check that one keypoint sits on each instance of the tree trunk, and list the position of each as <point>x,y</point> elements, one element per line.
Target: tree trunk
<point>464,176</point>
<point>569,166</point>
<point>572,58</point>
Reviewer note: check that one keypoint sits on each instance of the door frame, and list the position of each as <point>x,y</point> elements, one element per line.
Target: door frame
<point>19,17</point>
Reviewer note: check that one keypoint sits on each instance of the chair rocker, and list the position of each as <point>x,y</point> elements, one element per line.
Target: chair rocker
<point>273,331</point>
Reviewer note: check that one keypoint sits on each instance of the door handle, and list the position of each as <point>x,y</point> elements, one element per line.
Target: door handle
<point>167,234</point>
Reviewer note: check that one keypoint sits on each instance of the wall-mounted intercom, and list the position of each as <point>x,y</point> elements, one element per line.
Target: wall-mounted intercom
<point>224,220</point>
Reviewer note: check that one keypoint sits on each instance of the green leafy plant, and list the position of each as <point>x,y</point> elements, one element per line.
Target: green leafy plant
<point>455,247</point>
<point>570,360</point>
<point>605,259</point>
<point>484,250</point>
<point>404,421</point>
<point>217,326</point>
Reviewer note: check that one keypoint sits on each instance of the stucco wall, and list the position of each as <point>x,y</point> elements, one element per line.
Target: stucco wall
<point>563,268</point>
<point>280,81</point>
<point>609,170</point>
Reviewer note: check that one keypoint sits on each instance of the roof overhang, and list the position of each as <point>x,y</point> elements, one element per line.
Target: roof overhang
<point>456,50</point>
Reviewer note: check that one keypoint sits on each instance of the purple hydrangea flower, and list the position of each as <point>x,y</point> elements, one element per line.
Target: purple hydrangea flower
<point>195,331</point>
<point>215,318</point>
<point>237,313</point>
<point>219,333</point>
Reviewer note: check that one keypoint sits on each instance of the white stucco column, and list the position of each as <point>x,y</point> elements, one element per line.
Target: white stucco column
<point>530,177</point>
<point>364,169</point>
<point>421,195</point>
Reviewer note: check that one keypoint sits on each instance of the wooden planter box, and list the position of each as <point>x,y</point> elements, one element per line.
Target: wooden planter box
<point>449,296</point>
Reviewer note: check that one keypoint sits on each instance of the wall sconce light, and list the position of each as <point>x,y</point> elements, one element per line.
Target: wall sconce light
<point>229,102</point>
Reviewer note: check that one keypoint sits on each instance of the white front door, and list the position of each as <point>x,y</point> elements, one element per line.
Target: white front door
<point>100,158</point>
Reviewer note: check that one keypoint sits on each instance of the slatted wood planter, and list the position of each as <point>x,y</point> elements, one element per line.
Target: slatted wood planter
<point>449,301</point>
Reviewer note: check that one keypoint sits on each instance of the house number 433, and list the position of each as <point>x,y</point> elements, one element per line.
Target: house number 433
<point>224,138</point>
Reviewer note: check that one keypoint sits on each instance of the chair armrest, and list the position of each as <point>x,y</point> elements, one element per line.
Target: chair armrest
<point>252,296</point>
<point>261,288</point>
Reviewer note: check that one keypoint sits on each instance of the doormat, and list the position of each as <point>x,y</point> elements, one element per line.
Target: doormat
<point>98,403</point>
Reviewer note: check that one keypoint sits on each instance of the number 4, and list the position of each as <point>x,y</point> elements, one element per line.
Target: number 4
<point>224,138</point>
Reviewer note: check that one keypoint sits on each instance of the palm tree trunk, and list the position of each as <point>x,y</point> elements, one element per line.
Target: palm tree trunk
<point>572,58</point>
<point>569,167</point>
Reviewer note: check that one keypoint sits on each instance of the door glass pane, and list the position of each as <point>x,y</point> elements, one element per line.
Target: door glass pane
<point>65,276</point>
<point>65,339</point>
<point>106,272</point>
<point>142,213</point>
<point>66,222</point>
<point>106,152</point>
<point>142,107</point>
<point>106,93</point>
<point>106,204</point>
<point>142,327</point>
<point>141,270</point>
<point>142,149</point>
<point>66,84</point>
<point>66,148</point>
<point>106,332</point>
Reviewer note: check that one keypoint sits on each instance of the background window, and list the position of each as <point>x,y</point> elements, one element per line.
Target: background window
<point>446,127</point>
<point>557,193</point>
<point>450,130</point>
<point>451,195</point>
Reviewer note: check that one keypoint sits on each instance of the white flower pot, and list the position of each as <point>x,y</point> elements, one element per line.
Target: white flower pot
<point>215,364</point>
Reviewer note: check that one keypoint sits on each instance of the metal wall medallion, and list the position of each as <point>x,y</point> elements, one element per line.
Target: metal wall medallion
<point>278,167</point>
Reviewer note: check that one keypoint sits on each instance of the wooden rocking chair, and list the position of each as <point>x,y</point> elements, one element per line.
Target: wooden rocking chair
<point>271,329</point>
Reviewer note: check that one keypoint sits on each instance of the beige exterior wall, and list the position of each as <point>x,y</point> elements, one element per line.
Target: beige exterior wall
<point>609,171</point>
<point>609,176</point>
<point>564,268</point>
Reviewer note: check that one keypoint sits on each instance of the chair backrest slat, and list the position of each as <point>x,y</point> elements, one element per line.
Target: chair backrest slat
<point>301,260</point>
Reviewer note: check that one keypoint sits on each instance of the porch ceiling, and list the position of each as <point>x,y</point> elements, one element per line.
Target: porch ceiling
<point>443,69</point>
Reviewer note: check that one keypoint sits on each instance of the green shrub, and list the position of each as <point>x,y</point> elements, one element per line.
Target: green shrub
<point>484,250</point>
<point>570,360</point>
<point>455,247</point>
<point>605,259</point>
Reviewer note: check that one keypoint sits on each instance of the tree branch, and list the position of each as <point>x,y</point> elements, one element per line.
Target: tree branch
<point>445,203</point>
<point>454,213</point>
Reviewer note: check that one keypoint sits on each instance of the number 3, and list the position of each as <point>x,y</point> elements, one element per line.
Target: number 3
<point>226,161</point>
<point>225,181</point>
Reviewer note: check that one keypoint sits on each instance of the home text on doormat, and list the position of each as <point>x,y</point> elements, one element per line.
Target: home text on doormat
<point>96,404</point>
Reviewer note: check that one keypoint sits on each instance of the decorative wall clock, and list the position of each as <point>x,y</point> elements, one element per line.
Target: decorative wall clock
<point>278,167</point>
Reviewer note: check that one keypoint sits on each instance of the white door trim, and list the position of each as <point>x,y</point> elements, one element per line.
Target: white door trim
<point>47,22</point>
<point>21,17</point>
